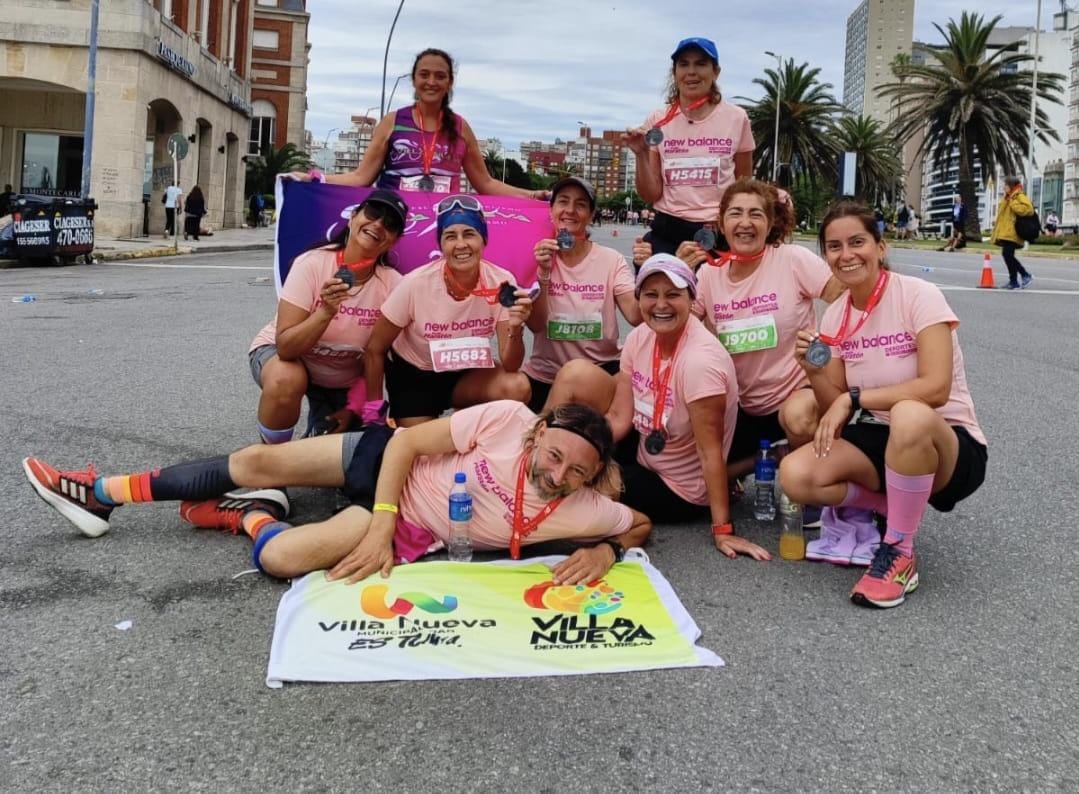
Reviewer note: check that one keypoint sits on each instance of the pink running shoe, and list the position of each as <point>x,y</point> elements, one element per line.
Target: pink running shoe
<point>71,494</point>
<point>888,580</point>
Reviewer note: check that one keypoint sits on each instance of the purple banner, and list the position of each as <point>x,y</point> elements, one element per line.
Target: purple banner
<point>309,214</point>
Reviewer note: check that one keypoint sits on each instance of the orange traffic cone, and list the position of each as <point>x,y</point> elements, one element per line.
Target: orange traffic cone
<point>987,274</point>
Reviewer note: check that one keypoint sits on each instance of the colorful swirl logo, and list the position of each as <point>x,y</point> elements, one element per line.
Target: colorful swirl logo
<point>595,598</point>
<point>373,602</point>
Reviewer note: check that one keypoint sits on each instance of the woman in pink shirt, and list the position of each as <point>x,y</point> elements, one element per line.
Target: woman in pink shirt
<point>581,284</point>
<point>756,298</point>
<point>674,406</point>
<point>432,344</point>
<point>691,150</point>
<point>894,363</point>
<point>315,344</point>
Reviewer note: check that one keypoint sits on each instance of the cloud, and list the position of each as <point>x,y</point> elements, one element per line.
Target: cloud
<point>533,70</point>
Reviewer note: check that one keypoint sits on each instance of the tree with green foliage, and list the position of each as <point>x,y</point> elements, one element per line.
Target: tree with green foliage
<point>807,110</point>
<point>880,167</point>
<point>973,105</point>
<point>507,169</point>
<point>262,171</point>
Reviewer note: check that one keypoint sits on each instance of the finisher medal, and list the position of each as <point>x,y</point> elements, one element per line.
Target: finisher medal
<point>654,137</point>
<point>654,442</point>
<point>705,238</point>
<point>426,183</point>
<point>818,354</point>
<point>346,276</point>
<point>565,240</point>
<point>507,294</point>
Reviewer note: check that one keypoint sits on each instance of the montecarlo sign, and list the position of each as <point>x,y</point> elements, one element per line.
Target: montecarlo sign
<point>175,60</point>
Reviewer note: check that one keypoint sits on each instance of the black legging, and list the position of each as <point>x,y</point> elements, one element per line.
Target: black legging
<point>1015,267</point>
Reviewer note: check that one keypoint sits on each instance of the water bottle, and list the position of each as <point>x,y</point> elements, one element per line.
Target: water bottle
<point>764,479</point>
<point>459,548</point>
<point>24,299</point>
<point>792,542</point>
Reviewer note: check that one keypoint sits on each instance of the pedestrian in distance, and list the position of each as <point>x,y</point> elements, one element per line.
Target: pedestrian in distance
<point>194,209</point>
<point>1013,205</point>
<point>958,237</point>
<point>5,200</point>
<point>173,201</point>
<point>899,373</point>
<point>398,485</point>
<point>690,151</point>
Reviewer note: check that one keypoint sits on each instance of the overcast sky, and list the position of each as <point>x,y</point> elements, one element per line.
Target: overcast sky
<point>532,70</point>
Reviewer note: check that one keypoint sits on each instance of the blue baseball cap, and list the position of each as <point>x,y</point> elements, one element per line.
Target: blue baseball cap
<point>705,45</point>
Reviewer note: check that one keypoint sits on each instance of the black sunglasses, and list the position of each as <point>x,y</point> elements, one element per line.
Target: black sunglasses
<point>380,212</point>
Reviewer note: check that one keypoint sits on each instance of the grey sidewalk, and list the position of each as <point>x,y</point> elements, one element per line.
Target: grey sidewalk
<point>109,249</point>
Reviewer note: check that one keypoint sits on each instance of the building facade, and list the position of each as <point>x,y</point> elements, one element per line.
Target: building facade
<point>279,56</point>
<point>163,67</point>
<point>877,31</point>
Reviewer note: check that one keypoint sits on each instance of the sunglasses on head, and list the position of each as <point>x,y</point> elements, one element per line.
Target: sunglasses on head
<point>380,212</point>
<point>469,203</point>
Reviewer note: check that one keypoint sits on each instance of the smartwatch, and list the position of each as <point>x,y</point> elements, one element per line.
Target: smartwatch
<point>855,399</point>
<point>618,548</point>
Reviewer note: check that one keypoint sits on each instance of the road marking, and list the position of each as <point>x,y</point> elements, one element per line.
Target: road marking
<point>957,288</point>
<point>162,265</point>
<point>975,272</point>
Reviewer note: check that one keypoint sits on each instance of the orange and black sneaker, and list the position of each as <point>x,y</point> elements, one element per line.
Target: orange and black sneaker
<point>227,512</point>
<point>890,577</point>
<point>71,494</point>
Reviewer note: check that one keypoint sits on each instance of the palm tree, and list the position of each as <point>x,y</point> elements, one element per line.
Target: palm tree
<point>263,170</point>
<point>880,167</point>
<point>972,105</point>
<point>806,119</point>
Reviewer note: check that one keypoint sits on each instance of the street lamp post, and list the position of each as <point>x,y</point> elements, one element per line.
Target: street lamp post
<point>775,140</point>
<point>1033,104</point>
<point>386,57</point>
<point>400,77</point>
<point>91,92</point>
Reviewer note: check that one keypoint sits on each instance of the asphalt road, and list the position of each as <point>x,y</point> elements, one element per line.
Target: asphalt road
<point>972,685</point>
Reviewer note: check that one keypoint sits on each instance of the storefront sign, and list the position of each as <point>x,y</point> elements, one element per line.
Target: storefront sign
<point>239,103</point>
<point>175,60</point>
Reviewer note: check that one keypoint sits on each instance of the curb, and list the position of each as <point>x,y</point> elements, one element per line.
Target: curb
<point>148,253</point>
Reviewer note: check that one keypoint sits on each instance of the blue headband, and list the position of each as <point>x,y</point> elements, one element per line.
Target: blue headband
<point>467,217</point>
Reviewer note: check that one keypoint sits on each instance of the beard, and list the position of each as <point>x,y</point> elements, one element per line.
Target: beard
<point>543,483</point>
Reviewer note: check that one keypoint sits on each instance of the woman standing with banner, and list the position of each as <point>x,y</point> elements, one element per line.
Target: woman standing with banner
<point>425,146</point>
<point>581,283</point>
<point>691,150</point>
<point>888,355</point>
<point>327,310</point>
<point>432,344</point>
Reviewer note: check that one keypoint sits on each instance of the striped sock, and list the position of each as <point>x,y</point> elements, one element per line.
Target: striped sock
<point>123,489</point>
<point>254,521</point>
<point>271,436</point>
<point>193,481</point>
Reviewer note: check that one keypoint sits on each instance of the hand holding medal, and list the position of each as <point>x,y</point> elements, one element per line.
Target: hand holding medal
<point>654,136</point>
<point>819,351</point>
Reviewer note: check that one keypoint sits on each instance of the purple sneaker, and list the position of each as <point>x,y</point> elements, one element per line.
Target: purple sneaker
<point>867,536</point>
<point>837,539</point>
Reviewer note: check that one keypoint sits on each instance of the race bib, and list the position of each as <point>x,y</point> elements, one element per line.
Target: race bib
<point>642,415</point>
<point>693,171</point>
<point>443,184</point>
<point>748,335</point>
<point>579,328</point>
<point>468,352</point>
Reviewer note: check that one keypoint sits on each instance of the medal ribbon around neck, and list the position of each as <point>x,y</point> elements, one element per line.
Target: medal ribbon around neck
<point>871,304</point>
<point>661,385</point>
<point>522,528</point>
<point>676,108</point>
<point>428,151</point>
<point>459,291</point>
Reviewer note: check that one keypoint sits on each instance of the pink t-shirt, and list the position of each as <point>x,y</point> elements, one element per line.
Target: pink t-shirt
<point>424,309</point>
<point>757,320</point>
<point>336,360</point>
<point>697,159</point>
<point>488,441</point>
<point>884,352</point>
<point>703,368</point>
<point>582,320</point>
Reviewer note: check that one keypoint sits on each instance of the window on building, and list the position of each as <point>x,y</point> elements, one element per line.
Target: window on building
<point>263,126</point>
<point>272,3</point>
<point>265,39</point>
<point>51,164</point>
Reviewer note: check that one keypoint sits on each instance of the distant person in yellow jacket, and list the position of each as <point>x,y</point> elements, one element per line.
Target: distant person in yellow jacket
<point>1014,204</point>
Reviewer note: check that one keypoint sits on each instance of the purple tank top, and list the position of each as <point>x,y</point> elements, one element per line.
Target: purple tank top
<point>403,166</point>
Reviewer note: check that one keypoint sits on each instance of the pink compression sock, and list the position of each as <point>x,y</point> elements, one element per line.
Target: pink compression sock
<point>857,496</point>
<point>908,496</point>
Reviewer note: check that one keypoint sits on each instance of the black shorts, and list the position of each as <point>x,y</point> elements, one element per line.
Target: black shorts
<point>361,459</point>
<point>748,432</point>
<point>872,439</point>
<point>669,231</point>
<point>644,491</point>
<point>541,390</point>
<point>418,392</point>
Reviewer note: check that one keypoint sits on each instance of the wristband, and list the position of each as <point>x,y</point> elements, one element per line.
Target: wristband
<point>723,529</point>
<point>618,549</point>
<point>316,175</point>
<point>384,507</point>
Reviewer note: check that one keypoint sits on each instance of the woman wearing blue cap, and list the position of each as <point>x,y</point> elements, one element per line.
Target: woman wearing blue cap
<point>432,344</point>
<point>691,150</point>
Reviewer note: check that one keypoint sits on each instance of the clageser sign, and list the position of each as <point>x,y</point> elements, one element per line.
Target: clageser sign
<point>66,231</point>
